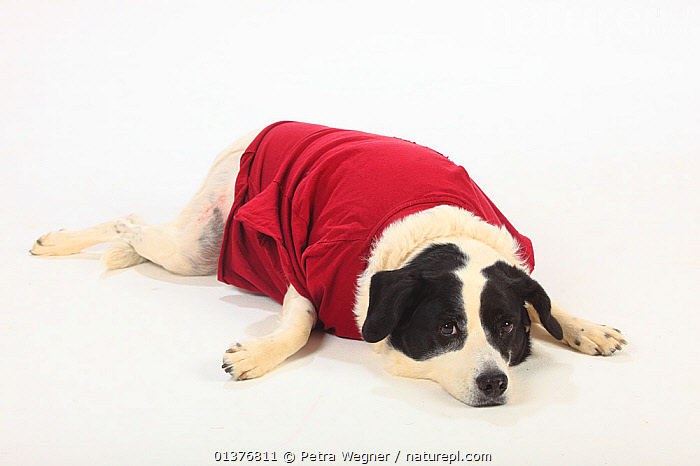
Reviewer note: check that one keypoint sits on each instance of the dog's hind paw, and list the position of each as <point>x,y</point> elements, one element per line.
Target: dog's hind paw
<point>251,359</point>
<point>593,339</point>
<point>54,243</point>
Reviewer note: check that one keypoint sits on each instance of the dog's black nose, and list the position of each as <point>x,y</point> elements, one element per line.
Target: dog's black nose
<point>492,384</point>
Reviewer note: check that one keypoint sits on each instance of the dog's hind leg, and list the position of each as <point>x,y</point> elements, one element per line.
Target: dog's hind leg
<point>135,242</point>
<point>65,242</point>
<point>189,245</point>
<point>253,358</point>
<point>183,248</point>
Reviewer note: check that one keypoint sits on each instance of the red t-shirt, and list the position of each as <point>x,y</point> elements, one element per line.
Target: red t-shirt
<point>310,200</point>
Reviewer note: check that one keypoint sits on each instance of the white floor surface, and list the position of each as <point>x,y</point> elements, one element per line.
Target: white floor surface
<point>580,120</point>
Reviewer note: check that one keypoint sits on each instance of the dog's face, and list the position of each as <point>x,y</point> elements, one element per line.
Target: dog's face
<point>455,313</point>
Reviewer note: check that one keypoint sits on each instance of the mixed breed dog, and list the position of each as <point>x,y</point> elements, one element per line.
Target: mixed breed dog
<point>371,237</point>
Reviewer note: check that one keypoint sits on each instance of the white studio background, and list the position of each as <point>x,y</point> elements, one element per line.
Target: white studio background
<point>579,119</point>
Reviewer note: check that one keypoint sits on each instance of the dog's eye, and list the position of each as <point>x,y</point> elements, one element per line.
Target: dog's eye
<point>507,327</point>
<point>448,329</point>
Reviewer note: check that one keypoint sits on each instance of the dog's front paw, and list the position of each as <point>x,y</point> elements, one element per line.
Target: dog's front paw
<point>251,359</point>
<point>593,339</point>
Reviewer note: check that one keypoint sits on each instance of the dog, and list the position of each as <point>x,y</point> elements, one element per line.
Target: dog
<point>370,237</point>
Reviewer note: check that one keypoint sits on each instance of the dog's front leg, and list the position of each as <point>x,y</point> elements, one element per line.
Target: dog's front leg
<point>583,335</point>
<point>253,358</point>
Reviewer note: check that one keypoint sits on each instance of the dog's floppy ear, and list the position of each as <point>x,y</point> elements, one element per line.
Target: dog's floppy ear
<point>391,294</point>
<point>532,292</point>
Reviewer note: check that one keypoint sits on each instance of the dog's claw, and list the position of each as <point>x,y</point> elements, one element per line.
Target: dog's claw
<point>227,367</point>
<point>251,359</point>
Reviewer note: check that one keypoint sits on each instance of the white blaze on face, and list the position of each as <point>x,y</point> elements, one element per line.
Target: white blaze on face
<point>477,356</point>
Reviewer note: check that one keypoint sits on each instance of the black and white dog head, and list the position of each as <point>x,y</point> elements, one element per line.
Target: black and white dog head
<point>455,313</point>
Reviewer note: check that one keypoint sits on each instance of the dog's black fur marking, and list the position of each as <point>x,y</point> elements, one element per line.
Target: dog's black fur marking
<point>414,303</point>
<point>503,297</point>
<point>210,242</point>
<point>502,301</point>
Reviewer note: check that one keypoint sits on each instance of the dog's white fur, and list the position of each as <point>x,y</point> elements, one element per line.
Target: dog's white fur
<point>190,245</point>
